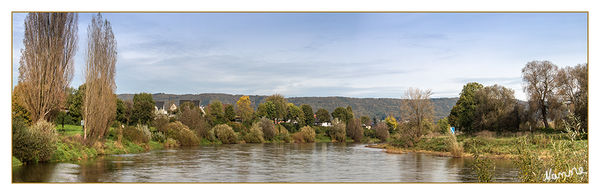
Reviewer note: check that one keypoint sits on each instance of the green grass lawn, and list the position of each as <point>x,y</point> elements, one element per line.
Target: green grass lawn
<point>69,130</point>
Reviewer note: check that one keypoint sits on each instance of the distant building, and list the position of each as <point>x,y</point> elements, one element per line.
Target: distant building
<point>159,107</point>
<point>326,124</point>
<point>173,107</point>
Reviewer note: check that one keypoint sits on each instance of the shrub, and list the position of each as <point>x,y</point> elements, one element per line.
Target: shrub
<point>204,131</point>
<point>34,144</point>
<point>338,130</point>
<point>443,125</point>
<point>237,127</point>
<point>382,132</point>
<point>321,129</point>
<point>139,134</point>
<point>171,143</point>
<point>354,130</point>
<point>397,140</point>
<point>182,134</point>
<point>225,134</point>
<point>254,135</point>
<point>306,135</point>
<point>291,127</point>
<point>410,133</point>
<point>283,134</point>
<point>158,136</point>
<point>161,122</point>
<point>268,128</point>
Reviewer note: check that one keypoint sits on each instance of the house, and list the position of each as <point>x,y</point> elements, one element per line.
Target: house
<point>159,107</point>
<point>326,124</point>
<point>173,107</point>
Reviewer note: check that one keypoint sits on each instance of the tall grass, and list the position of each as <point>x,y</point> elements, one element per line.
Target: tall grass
<point>453,146</point>
<point>484,168</point>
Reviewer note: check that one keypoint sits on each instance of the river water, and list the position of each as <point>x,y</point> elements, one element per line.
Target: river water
<point>312,162</point>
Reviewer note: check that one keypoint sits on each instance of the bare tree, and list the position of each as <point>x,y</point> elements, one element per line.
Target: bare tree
<point>417,111</point>
<point>572,84</point>
<point>539,78</point>
<point>46,64</point>
<point>99,104</point>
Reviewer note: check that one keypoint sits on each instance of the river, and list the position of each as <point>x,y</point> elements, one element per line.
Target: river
<point>312,162</point>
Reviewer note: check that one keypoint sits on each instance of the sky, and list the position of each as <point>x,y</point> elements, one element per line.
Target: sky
<point>378,55</point>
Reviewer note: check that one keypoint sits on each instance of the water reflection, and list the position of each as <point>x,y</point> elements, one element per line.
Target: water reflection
<point>310,162</point>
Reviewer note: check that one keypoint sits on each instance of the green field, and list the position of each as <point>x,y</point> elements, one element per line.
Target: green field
<point>69,130</point>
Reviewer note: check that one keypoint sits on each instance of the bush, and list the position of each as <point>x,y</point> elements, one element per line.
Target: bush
<point>443,125</point>
<point>254,135</point>
<point>321,129</point>
<point>34,144</point>
<point>354,130</point>
<point>171,143</point>
<point>397,140</point>
<point>161,122</point>
<point>237,127</point>
<point>203,131</point>
<point>291,127</point>
<point>382,132</point>
<point>268,128</point>
<point>225,134</point>
<point>139,134</point>
<point>283,134</point>
<point>338,130</point>
<point>182,134</point>
<point>306,135</point>
<point>158,136</point>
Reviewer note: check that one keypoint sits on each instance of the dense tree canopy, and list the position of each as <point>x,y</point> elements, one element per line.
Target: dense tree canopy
<point>344,114</point>
<point>280,106</point>
<point>229,112</point>
<point>309,118</point>
<point>323,115</point>
<point>462,114</point>
<point>143,108</point>
<point>244,108</point>
<point>216,113</point>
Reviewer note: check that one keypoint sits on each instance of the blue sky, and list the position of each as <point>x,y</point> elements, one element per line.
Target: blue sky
<point>329,54</point>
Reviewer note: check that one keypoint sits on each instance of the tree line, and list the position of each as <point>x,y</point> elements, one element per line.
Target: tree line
<point>557,98</point>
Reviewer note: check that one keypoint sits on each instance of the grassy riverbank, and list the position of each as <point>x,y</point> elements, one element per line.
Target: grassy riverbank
<point>504,146</point>
<point>70,147</point>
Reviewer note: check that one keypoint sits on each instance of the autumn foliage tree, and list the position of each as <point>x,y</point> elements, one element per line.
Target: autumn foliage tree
<point>244,109</point>
<point>99,106</point>
<point>46,64</point>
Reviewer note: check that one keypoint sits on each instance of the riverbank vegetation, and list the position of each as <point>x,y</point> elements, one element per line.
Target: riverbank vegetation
<point>545,135</point>
<point>490,123</point>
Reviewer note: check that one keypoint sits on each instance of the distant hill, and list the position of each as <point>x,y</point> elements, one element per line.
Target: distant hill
<point>371,107</point>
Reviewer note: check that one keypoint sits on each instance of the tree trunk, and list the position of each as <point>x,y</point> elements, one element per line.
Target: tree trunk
<point>544,116</point>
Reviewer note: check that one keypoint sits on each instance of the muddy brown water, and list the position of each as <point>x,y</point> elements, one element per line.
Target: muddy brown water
<point>313,162</point>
